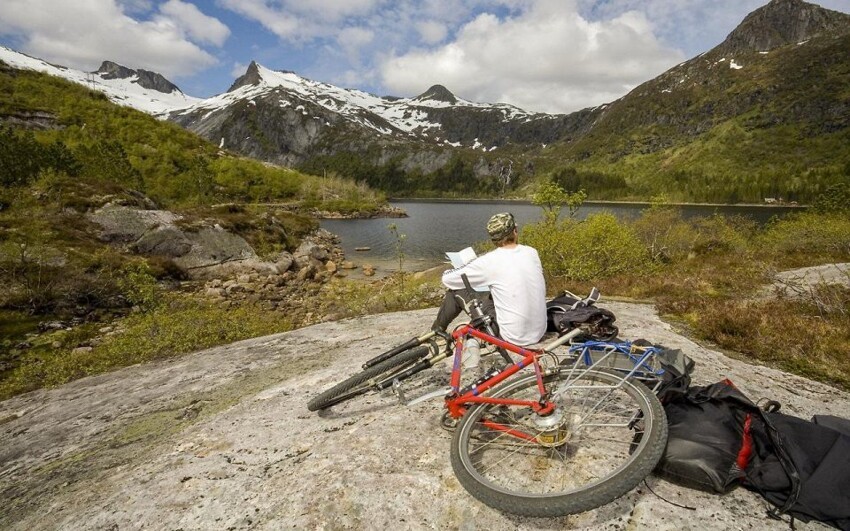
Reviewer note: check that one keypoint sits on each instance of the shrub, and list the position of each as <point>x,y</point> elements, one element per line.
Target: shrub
<point>177,326</point>
<point>835,198</point>
<point>598,247</point>
<point>723,234</point>
<point>666,236</point>
<point>139,285</point>
<point>808,233</point>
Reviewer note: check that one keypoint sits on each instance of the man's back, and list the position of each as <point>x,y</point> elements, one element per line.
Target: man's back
<point>515,278</point>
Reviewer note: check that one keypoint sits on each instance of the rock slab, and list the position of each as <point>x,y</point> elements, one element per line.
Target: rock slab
<point>221,439</point>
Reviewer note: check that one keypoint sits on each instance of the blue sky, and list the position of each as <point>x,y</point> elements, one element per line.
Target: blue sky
<point>542,55</point>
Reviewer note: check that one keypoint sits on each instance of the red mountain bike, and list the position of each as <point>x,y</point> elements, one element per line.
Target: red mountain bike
<point>568,435</point>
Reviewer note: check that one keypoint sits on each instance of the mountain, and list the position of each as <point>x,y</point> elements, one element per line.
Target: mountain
<point>282,117</point>
<point>140,89</point>
<point>766,113</point>
<point>783,22</point>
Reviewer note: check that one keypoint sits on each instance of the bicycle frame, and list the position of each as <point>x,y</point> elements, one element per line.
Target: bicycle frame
<point>456,401</point>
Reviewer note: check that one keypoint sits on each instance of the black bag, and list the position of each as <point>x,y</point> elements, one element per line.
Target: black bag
<point>817,486</point>
<point>718,438</point>
<point>708,439</point>
<point>565,312</point>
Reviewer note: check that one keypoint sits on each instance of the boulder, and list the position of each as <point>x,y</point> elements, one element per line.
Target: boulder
<point>284,261</point>
<point>168,241</point>
<point>307,272</point>
<point>127,225</point>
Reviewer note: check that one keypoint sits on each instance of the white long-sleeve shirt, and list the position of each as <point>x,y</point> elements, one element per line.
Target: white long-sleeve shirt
<point>515,279</point>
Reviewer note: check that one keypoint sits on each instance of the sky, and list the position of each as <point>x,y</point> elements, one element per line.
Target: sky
<point>553,56</point>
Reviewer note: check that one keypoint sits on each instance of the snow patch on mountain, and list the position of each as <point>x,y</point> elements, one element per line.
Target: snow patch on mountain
<point>403,115</point>
<point>123,91</point>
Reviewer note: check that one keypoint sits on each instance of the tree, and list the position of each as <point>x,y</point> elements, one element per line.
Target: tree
<point>551,198</point>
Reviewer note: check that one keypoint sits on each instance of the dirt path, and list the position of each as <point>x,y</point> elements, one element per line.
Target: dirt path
<point>221,439</point>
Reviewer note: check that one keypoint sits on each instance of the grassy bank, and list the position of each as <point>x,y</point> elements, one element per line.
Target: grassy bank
<point>709,275</point>
<point>713,276</point>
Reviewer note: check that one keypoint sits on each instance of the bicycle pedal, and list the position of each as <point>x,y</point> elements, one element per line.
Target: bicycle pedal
<point>447,422</point>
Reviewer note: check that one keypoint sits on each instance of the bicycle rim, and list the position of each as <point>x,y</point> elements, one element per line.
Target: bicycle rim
<point>603,438</point>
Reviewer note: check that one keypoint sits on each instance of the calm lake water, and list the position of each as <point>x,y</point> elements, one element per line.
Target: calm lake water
<point>434,227</point>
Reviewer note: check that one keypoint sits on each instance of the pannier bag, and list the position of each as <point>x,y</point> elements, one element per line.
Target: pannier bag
<point>565,312</point>
<point>718,438</point>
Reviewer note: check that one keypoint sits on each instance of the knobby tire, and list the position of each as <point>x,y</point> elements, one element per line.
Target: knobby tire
<point>523,478</point>
<point>363,381</point>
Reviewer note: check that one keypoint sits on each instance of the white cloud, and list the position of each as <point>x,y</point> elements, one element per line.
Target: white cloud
<point>353,39</point>
<point>545,58</point>
<point>199,26</point>
<point>238,69</point>
<point>432,31</point>
<point>302,20</point>
<point>82,33</point>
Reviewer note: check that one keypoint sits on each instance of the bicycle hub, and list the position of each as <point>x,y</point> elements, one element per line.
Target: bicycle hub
<point>554,428</point>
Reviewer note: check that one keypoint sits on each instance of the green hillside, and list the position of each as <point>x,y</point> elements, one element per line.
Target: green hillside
<point>778,126</point>
<point>58,125</point>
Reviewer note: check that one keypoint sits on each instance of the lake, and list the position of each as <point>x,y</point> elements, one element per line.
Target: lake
<point>434,227</point>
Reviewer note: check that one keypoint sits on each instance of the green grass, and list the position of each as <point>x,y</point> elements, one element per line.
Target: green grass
<point>178,325</point>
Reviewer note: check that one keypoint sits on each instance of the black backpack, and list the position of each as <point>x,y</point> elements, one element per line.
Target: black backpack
<point>719,439</point>
<point>566,312</point>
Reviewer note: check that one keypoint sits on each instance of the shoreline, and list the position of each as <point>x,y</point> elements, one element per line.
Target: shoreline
<point>588,202</point>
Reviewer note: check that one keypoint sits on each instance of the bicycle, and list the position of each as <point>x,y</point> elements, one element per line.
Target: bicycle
<point>579,432</point>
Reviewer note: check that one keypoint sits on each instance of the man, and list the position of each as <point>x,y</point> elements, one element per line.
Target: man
<point>514,276</point>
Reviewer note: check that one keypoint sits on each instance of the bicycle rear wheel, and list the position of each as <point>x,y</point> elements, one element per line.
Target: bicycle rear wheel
<point>363,381</point>
<point>603,438</point>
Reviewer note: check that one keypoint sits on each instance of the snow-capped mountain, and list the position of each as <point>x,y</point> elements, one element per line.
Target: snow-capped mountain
<point>385,115</point>
<point>141,89</point>
<point>285,118</point>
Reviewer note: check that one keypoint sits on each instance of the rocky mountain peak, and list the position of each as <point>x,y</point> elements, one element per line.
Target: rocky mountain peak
<point>250,77</point>
<point>110,70</point>
<point>782,22</point>
<point>145,78</point>
<point>437,93</point>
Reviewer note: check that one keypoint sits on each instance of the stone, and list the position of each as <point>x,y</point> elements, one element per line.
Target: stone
<point>284,261</point>
<point>168,241</point>
<point>235,288</point>
<point>126,224</point>
<point>250,391</point>
<point>81,350</point>
<point>331,267</point>
<point>307,272</point>
<point>214,292</point>
<point>368,270</point>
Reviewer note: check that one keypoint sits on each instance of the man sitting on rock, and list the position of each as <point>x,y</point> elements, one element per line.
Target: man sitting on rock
<point>516,299</point>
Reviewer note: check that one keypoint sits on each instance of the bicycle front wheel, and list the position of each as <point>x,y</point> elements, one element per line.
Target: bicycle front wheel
<point>605,435</point>
<point>365,380</point>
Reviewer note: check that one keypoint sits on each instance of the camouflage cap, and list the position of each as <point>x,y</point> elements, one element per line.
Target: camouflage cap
<point>501,225</point>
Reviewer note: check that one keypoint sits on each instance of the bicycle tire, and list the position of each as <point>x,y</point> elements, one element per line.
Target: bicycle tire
<point>536,461</point>
<point>363,381</point>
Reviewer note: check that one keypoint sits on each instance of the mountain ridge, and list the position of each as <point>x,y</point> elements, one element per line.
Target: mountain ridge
<point>140,89</point>
<point>766,78</point>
